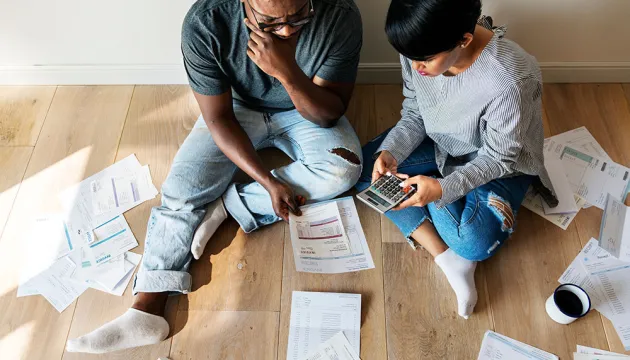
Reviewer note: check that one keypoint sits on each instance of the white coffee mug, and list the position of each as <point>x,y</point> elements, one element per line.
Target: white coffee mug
<point>559,312</point>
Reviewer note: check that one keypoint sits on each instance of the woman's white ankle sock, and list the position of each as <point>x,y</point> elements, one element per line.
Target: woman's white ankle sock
<point>461,275</point>
<point>132,329</point>
<point>215,215</point>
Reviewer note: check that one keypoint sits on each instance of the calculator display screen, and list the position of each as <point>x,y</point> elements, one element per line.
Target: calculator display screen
<point>377,198</point>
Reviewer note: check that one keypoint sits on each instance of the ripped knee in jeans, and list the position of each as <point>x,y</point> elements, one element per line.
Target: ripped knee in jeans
<point>503,210</point>
<point>347,155</point>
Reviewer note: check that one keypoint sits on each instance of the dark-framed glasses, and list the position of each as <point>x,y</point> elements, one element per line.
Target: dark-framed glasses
<point>279,25</point>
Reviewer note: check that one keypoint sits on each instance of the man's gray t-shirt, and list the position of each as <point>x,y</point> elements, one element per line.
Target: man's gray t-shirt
<point>214,46</point>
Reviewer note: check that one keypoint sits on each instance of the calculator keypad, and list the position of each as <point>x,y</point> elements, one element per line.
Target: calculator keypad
<point>389,187</point>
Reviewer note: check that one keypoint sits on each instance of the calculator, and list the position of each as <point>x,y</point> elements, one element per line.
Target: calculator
<point>385,193</point>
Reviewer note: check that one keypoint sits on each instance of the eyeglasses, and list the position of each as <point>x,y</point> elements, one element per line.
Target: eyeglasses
<point>277,26</point>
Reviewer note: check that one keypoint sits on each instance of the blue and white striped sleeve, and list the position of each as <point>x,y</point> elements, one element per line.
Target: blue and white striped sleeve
<point>508,117</point>
<point>409,132</point>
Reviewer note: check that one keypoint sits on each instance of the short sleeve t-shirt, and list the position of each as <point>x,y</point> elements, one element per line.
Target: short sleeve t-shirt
<point>214,46</point>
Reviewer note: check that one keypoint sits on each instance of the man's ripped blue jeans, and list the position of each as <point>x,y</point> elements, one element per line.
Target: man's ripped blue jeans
<point>474,226</point>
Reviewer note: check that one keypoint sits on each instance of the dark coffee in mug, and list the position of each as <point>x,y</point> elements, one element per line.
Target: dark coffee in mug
<point>569,303</point>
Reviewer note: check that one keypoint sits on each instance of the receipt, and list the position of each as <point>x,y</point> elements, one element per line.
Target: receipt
<point>111,239</point>
<point>498,347</point>
<point>335,348</point>
<point>614,235</point>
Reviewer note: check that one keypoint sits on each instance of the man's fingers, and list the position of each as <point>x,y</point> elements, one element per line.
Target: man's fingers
<point>251,54</point>
<point>293,206</point>
<point>256,33</point>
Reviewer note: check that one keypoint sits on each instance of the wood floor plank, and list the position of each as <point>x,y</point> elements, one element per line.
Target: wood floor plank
<point>13,161</point>
<point>421,307</point>
<point>22,113</point>
<point>368,283</point>
<point>239,271</point>
<point>522,275</point>
<point>158,121</point>
<point>389,100</point>
<point>79,138</point>
<point>226,335</point>
<point>361,112</point>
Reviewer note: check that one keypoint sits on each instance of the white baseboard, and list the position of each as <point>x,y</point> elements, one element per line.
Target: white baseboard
<point>369,73</point>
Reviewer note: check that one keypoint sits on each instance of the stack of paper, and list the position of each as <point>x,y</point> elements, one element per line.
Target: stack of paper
<point>498,347</point>
<point>588,353</point>
<point>328,238</point>
<point>607,282</point>
<point>581,173</point>
<point>88,245</point>
<point>324,325</point>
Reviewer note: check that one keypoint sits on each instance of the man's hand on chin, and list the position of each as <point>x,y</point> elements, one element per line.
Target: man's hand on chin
<point>273,55</point>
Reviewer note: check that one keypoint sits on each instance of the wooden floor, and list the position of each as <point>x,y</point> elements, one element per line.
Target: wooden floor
<point>52,137</point>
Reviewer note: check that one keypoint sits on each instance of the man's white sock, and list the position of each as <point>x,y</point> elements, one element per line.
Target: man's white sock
<point>461,275</point>
<point>134,328</point>
<point>215,215</point>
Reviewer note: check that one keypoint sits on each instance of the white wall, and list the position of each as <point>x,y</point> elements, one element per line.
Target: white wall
<point>137,41</point>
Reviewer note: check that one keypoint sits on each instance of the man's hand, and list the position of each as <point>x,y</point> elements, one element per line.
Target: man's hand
<point>273,55</point>
<point>428,190</point>
<point>283,200</point>
<point>384,163</point>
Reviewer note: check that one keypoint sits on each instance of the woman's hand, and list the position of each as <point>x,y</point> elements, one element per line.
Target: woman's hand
<point>428,190</point>
<point>384,163</point>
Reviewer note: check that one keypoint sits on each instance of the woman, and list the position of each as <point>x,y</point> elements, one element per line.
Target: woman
<point>470,137</point>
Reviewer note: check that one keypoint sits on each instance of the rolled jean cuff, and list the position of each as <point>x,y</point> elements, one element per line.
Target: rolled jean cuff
<point>234,205</point>
<point>408,220</point>
<point>155,281</point>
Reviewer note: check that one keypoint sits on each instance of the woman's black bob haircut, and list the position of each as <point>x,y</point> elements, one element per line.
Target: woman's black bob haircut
<point>419,29</point>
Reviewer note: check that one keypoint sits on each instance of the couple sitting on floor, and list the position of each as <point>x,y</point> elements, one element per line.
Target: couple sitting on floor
<point>280,74</point>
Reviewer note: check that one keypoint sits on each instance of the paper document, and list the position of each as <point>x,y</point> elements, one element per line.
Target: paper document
<point>55,286</point>
<point>336,348</point>
<point>592,351</point>
<point>564,192</point>
<point>582,140</point>
<point>622,326</point>
<point>579,356</point>
<point>115,192</point>
<point>534,203</point>
<point>316,317</point>
<point>590,177</point>
<point>47,241</point>
<point>499,347</point>
<point>111,239</point>
<point>328,238</point>
<point>80,201</point>
<point>577,274</point>
<point>320,232</point>
<point>614,235</point>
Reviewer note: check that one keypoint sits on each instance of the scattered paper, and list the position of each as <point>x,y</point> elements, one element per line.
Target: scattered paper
<point>335,348</point>
<point>622,326</point>
<point>316,317</point>
<point>578,356</point>
<point>582,140</point>
<point>590,177</point>
<point>116,192</point>
<point>564,193</point>
<point>577,274</point>
<point>78,200</point>
<point>111,239</point>
<point>47,241</point>
<point>54,286</point>
<point>614,235</point>
<point>499,347</point>
<point>132,260</point>
<point>592,351</point>
<point>315,252</point>
<point>534,203</point>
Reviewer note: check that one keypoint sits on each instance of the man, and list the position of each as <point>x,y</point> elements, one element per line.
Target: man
<point>266,73</point>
